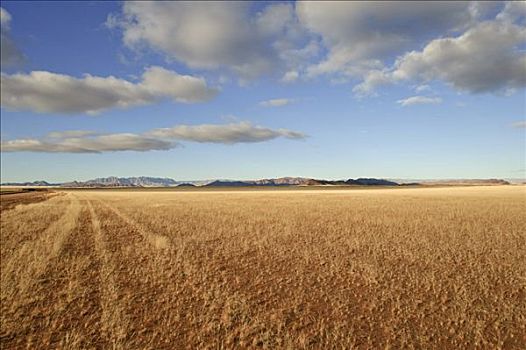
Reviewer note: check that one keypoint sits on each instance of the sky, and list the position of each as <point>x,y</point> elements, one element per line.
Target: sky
<point>250,90</point>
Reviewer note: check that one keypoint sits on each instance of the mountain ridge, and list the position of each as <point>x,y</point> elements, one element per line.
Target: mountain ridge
<point>146,181</point>
<point>113,181</point>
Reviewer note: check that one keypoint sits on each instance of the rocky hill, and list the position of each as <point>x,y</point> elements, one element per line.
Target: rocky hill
<point>114,181</point>
<point>460,182</point>
<point>371,182</point>
<point>30,184</point>
<point>144,181</point>
<point>301,181</point>
<point>226,183</point>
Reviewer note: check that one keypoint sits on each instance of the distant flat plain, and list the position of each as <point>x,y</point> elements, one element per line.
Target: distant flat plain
<point>432,268</point>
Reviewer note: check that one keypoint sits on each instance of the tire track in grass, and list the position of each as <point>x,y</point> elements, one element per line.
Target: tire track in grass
<point>114,322</point>
<point>27,223</point>
<point>151,288</point>
<point>27,270</point>
<point>67,313</point>
<point>80,301</point>
<point>137,287</point>
<point>157,241</point>
<point>31,260</point>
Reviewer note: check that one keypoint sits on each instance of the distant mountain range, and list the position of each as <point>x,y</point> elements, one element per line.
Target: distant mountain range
<point>466,182</point>
<point>113,181</point>
<point>300,181</point>
<point>144,181</point>
<point>31,184</point>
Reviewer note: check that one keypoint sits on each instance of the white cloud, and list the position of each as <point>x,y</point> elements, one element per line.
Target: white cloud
<point>277,102</point>
<point>513,11</point>
<point>363,37</point>
<point>371,80</point>
<point>290,76</point>
<point>216,35</point>
<point>520,124</point>
<point>358,33</point>
<point>274,18</point>
<point>289,39</point>
<point>46,92</point>
<point>88,144</point>
<point>83,141</point>
<point>469,45</point>
<point>181,88</point>
<point>419,100</point>
<point>10,54</point>
<point>485,58</point>
<point>242,132</point>
<point>422,88</point>
<point>201,34</point>
<point>5,18</point>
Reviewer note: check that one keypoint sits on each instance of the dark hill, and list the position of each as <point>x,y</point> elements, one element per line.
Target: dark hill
<point>219,183</point>
<point>371,182</point>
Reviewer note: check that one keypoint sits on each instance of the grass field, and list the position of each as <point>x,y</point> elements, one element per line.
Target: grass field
<point>431,268</point>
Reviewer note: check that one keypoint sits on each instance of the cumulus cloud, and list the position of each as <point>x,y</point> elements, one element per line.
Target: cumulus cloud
<point>371,80</point>
<point>277,102</point>
<point>290,76</point>
<point>181,88</point>
<point>464,43</point>
<point>83,141</point>
<point>202,35</point>
<point>423,87</point>
<point>46,92</point>
<point>473,46</point>
<point>242,132</point>
<point>289,39</point>
<point>357,32</point>
<point>5,18</point>
<point>88,144</point>
<point>274,18</point>
<point>513,11</point>
<point>486,58</point>
<point>10,54</point>
<point>212,35</point>
<point>520,124</point>
<point>419,100</point>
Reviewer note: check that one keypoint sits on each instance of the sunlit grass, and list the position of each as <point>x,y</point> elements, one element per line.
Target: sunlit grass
<point>384,268</point>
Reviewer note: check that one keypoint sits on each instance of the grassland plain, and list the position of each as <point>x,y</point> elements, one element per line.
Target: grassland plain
<point>432,268</point>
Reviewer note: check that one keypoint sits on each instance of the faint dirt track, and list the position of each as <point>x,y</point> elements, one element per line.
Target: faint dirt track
<point>11,198</point>
<point>434,268</point>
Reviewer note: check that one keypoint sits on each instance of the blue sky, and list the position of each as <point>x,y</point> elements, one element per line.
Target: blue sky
<point>245,91</point>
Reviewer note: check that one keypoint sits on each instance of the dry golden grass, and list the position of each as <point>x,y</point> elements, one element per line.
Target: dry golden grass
<point>433,268</point>
<point>11,196</point>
